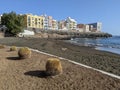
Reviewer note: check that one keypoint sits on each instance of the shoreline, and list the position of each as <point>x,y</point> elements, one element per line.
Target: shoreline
<point>102,60</point>
<point>106,49</point>
<point>110,44</point>
<point>111,50</point>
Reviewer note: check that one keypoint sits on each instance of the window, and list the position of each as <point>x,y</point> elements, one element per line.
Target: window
<point>29,19</point>
<point>35,21</point>
<point>29,24</point>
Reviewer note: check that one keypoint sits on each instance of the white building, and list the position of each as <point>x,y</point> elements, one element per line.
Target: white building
<point>96,27</point>
<point>47,22</point>
<point>71,24</point>
<point>86,28</point>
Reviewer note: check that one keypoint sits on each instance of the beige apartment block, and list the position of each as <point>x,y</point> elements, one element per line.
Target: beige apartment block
<point>54,25</point>
<point>33,21</point>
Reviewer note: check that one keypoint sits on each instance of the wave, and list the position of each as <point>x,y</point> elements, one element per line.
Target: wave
<point>113,42</point>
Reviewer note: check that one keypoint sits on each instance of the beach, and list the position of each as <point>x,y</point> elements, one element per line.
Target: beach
<point>102,60</point>
<point>28,74</point>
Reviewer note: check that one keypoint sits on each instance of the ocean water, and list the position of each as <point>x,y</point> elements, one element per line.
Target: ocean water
<point>111,44</point>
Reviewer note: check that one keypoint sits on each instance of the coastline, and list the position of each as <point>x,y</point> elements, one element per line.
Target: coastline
<point>96,47</point>
<point>111,50</point>
<point>102,60</point>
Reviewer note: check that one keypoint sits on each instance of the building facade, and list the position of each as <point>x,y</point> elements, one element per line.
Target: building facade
<point>95,27</point>
<point>71,24</point>
<point>62,25</point>
<point>33,21</point>
<point>47,24</point>
<point>54,25</point>
<point>83,27</point>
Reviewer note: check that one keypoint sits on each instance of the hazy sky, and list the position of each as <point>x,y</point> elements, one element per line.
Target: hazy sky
<point>83,11</point>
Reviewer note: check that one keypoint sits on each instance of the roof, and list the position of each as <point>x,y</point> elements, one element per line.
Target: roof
<point>73,20</point>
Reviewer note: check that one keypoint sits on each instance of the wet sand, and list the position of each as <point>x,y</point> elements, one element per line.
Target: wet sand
<point>28,74</point>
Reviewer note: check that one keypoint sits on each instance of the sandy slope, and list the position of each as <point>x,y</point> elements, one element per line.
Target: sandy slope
<point>28,74</point>
<point>105,61</point>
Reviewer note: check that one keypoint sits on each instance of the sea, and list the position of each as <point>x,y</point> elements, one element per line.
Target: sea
<point>111,44</point>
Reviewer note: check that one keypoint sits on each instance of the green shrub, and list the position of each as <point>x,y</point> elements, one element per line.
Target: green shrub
<point>53,67</point>
<point>24,53</point>
<point>13,48</point>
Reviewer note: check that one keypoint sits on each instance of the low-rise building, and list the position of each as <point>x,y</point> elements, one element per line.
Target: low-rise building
<point>83,27</point>
<point>95,27</point>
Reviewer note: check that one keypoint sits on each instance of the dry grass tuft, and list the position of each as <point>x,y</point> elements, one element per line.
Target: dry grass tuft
<point>53,67</point>
<point>24,53</point>
<point>13,48</point>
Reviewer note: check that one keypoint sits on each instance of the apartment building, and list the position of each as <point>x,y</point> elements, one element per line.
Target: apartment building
<point>95,27</point>
<point>54,25</point>
<point>33,21</point>
<point>47,24</point>
<point>71,24</point>
<point>83,27</point>
<point>62,25</point>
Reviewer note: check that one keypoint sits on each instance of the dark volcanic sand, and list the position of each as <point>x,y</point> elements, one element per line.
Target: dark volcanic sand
<point>98,59</point>
<point>28,74</point>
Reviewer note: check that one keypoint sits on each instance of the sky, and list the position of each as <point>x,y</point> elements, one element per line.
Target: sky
<point>83,11</point>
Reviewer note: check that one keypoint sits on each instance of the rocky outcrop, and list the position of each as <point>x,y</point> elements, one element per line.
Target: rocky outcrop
<point>68,35</point>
